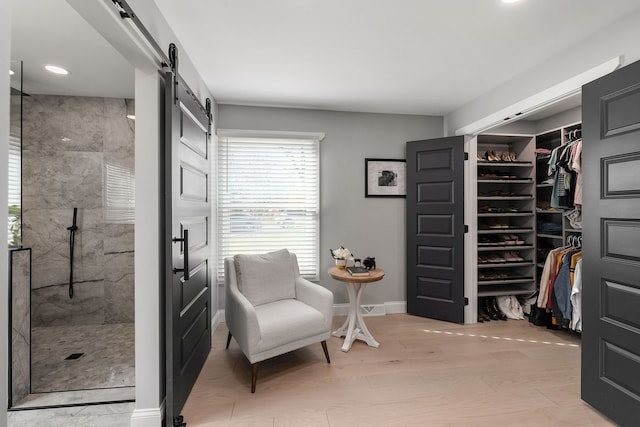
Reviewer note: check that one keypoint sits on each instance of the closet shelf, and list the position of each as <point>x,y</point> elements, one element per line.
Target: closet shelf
<point>504,214</point>
<point>497,290</point>
<point>550,236</point>
<point>544,185</point>
<point>527,197</point>
<point>505,181</point>
<point>549,212</point>
<point>505,230</point>
<point>504,248</point>
<point>505,264</point>
<point>516,163</point>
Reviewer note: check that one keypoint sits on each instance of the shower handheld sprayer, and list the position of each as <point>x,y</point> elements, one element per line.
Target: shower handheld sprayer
<point>72,242</point>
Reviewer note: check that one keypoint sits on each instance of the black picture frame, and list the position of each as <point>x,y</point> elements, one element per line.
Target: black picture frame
<point>385,177</point>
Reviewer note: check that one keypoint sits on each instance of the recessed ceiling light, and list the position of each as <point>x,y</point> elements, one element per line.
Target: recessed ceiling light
<point>11,73</point>
<point>56,70</point>
<point>131,116</point>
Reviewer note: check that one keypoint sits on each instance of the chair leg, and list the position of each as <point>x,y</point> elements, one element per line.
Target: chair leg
<point>254,376</point>
<point>326,351</point>
<point>228,340</point>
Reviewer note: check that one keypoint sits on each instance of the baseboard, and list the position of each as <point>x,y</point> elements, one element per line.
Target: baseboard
<point>216,319</point>
<point>151,417</point>
<point>390,307</point>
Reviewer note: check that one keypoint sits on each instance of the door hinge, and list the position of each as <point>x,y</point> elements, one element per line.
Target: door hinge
<point>466,228</point>
<point>466,301</point>
<point>466,156</point>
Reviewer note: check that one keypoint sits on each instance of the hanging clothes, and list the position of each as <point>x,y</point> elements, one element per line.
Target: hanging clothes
<point>576,298</point>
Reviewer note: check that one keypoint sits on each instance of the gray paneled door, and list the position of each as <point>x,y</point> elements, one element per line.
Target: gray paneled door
<point>611,256</point>
<point>188,212</point>
<point>435,228</point>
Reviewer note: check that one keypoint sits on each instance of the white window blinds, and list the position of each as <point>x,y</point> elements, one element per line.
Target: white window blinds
<point>268,199</point>
<point>15,186</point>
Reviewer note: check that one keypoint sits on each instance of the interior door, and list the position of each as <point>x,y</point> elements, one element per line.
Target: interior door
<point>188,292</point>
<point>435,228</point>
<point>611,256</point>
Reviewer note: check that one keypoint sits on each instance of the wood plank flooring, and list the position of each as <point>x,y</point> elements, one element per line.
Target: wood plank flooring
<point>425,373</point>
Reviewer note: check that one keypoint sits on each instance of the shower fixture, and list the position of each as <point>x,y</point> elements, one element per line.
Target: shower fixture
<point>72,242</point>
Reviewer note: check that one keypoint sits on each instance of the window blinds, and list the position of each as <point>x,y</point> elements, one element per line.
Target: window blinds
<point>268,199</point>
<point>15,189</point>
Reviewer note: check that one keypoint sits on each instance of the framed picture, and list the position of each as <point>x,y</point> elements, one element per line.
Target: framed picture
<point>385,178</point>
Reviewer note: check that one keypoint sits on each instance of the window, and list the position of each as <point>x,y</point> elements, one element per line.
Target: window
<point>119,194</point>
<point>268,197</point>
<point>14,230</point>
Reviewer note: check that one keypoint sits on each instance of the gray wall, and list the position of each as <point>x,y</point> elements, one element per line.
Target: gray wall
<point>367,226</point>
<point>66,143</point>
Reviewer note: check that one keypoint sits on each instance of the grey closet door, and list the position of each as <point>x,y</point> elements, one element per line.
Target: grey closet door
<point>188,218</point>
<point>435,228</point>
<point>611,257</point>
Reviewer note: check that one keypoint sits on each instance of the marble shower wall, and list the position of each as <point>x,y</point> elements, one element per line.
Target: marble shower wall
<point>20,264</point>
<point>66,143</point>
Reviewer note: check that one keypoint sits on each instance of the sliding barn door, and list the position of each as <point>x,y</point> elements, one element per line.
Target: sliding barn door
<point>435,228</point>
<point>188,218</point>
<point>611,261</point>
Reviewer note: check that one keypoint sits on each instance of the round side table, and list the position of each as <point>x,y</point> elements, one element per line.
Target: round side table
<point>354,328</point>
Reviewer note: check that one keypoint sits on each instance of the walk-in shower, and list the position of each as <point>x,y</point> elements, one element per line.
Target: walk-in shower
<point>71,225</point>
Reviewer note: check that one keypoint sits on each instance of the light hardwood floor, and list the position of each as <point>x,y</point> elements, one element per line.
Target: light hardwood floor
<point>425,373</point>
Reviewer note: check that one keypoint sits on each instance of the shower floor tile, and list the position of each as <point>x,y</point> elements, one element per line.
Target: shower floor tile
<point>107,358</point>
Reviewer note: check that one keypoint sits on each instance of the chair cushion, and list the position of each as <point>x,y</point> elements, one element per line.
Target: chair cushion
<point>285,321</point>
<point>265,278</point>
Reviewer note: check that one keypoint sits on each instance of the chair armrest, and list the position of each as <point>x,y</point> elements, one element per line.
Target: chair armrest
<point>315,296</point>
<point>240,315</point>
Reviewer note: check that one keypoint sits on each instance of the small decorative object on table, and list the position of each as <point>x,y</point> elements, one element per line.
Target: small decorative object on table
<point>341,255</point>
<point>369,263</point>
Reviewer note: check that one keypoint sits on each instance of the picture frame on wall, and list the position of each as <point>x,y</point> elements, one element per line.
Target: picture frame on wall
<point>385,177</point>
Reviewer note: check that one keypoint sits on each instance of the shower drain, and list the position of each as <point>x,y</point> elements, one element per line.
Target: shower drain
<point>74,356</point>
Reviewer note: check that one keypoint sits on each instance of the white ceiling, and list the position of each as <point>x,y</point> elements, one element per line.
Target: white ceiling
<point>401,56</point>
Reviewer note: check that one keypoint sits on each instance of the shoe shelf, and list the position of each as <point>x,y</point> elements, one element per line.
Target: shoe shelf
<point>512,289</point>
<point>505,264</point>
<point>516,230</point>
<point>550,236</point>
<point>506,218</point>
<point>504,248</point>
<point>523,197</point>
<point>505,180</point>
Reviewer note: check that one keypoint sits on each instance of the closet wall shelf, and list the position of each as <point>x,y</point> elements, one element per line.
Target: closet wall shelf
<point>497,290</point>
<point>506,264</point>
<point>549,212</point>
<point>550,236</point>
<point>527,197</point>
<point>513,281</point>
<point>504,248</point>
<point>506,214</point>
<point>516,163</point>
<point>505,230</point>
<point>504,181</point>
<point>544,185</point>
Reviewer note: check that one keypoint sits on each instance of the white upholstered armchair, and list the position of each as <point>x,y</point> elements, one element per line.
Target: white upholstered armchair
<point>271,310</point>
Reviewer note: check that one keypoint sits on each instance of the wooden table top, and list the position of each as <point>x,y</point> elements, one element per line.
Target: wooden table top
<point>344,276</point>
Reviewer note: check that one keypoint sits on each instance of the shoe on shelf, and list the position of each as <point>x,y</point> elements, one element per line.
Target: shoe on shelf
<point>512,156</point>
<point>505,157</point>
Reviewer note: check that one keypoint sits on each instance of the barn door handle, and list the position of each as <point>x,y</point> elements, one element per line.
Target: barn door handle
<point>185,241</point>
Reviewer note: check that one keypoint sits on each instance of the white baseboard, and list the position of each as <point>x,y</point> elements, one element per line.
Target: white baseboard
<point>150,417</point>
<point>390,307</point>
<point>216,319</point>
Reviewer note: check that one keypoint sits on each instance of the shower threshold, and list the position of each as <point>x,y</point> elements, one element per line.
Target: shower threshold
<point>77,398</point>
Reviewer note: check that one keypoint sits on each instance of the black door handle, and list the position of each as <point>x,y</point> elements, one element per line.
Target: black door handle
<point>185,266</point>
